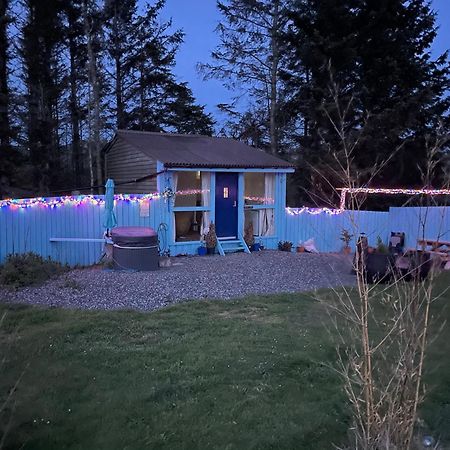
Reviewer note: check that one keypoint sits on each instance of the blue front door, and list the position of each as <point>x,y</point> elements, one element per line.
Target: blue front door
<point>226,204</point>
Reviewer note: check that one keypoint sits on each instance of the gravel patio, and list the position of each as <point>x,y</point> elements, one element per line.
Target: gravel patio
<point>235,275</point>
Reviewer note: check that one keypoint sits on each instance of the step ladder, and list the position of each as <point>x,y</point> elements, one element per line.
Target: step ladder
<point>231,245</point>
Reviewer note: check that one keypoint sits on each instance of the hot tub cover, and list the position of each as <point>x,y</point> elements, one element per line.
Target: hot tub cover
<point>134,236</point>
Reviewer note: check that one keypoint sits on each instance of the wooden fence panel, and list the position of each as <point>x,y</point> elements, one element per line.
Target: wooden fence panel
<point>30,229</point>
<point>421,223</point>
<point>326,229</point>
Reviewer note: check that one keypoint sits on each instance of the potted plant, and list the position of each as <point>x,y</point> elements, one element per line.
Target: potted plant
<point>380,263</point>
<point>201,250</point>
<point>249,238</point>
<point>300,248</point>
<point>211,239</point>
<point>346,237</point>
<point>256,247</point>
<point>285,246</point>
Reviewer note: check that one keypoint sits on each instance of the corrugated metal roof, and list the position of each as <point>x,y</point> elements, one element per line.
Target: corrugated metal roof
<point>185,150</point>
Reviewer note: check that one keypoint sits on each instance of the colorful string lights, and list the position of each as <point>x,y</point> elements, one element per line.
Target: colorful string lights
<point>262,200</point>
<point>389,191</point>
<point>313,211</point>
<point>54,202</point>
<point>382,191</point>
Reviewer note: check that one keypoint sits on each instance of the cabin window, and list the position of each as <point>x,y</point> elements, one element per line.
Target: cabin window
<point>189,187</point>
<point>263,221</point>
<point>188,225</point>
<point>192,204</point>
<point>259,188</point>
<point>259,202</point>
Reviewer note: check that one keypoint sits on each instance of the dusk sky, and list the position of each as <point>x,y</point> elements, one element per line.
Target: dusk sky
<point>198,19</point>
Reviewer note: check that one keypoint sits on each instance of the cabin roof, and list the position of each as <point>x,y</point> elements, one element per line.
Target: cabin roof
<point>186,150</point>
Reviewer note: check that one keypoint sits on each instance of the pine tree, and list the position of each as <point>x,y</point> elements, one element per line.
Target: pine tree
<point>184,115</point>
<point>40,46</point>
<point>155,101</point>
<point>94,46</point>
<point>371,58</point>
<point>5,127</point>
<point>119,16</point>
<point>77,77</point>
<point>249,57</point>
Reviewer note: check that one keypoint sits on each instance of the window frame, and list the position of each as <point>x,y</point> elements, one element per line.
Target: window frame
<point>175,209</point>
<point>260,207</point>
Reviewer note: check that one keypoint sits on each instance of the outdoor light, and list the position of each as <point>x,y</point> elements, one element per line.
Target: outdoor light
<point>78,200</point>
<point>428,441</point>
<point>389,191</point>
<point>313,211</point>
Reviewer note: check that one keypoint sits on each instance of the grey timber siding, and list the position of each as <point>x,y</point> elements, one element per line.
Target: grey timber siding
<point>124,163</point>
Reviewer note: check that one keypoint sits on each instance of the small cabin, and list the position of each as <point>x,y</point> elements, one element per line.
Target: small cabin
<point>213,179</point>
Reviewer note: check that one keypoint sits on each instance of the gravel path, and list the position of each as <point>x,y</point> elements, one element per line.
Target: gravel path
<point>232,276</point>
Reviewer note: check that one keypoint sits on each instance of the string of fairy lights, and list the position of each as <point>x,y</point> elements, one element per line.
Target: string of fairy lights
<point>79,200</point>
<point>388,191</point>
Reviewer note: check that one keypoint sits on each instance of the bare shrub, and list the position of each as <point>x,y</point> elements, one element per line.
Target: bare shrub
<point>383,329</point>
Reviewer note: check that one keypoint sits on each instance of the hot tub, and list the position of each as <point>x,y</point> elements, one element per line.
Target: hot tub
<point>135,248</point>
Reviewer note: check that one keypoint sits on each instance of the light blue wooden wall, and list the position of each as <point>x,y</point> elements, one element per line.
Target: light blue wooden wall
<point>419,223</point>
<point>30,229</point>
<point>326,229</point>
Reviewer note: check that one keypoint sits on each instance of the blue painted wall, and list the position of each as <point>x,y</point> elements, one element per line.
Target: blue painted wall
<point>419,223</point>
<point>326,229</point>
<point>271,242</point>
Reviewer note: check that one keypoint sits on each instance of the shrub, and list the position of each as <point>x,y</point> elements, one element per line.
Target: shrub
<point>381,246</point>
<point>28,269</point>
<point>285,246</point>
<point>346,237</point>
<point>249,238</point>
<point>210,236</point>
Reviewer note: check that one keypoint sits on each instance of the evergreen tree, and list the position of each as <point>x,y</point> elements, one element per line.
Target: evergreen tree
<point>184,115</point>
<point>94,46</point>
<point>120,33</point>
<point>152,99</point>
<point>40,46</point>
<point>249,57</point>
<point>5,127</point>
<point>372,59</point>
<point>76,80</point>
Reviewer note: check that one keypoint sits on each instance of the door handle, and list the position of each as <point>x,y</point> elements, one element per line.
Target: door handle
<point>234,204</point>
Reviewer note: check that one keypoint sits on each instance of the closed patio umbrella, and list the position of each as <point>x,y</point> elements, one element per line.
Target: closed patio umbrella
<point>110,220</point>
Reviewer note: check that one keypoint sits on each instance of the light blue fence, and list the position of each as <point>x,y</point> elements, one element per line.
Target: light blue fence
<point>326,229</point>
<point>32,229</point>
<point>421,223</point>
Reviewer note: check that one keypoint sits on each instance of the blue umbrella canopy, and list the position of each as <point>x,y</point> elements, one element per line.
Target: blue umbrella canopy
<point>110,220</point>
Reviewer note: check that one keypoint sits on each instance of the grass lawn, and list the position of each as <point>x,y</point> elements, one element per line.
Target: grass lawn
<point>246,374</point>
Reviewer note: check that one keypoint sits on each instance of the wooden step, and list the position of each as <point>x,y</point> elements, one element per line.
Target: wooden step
<point>233,249</point>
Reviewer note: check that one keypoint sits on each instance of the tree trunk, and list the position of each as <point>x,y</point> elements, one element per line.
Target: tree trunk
<point>118,69</point>
<point>5,130</point>
<point>4,92</point>
<point>118,92</point>
<point>94,116</point>
<point>141,98</point>
<point>273,100</point>
<point>73,105</point>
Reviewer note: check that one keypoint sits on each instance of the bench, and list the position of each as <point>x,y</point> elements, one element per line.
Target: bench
<point>54,239</point>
